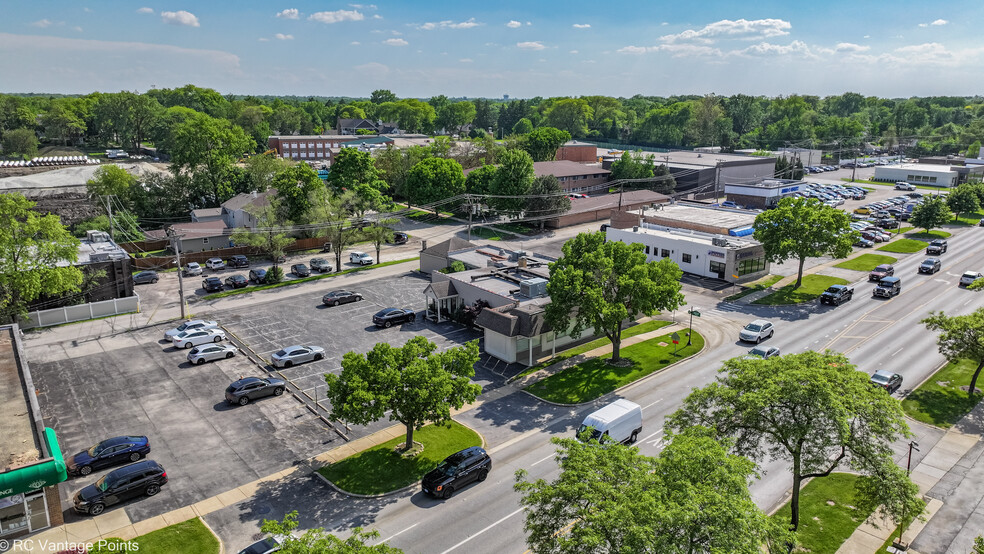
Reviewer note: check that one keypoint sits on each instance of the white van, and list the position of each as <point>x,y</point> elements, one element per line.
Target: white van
<point>620,421</point>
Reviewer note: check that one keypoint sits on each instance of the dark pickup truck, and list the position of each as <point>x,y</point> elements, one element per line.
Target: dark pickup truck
<point>837,295</point>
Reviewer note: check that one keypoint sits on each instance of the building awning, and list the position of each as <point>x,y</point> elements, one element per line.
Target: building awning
<point>742,231</point>
<point>45,473</point>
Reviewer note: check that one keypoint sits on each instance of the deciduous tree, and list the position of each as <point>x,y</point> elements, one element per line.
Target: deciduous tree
<point>571,115</point>
<point>801,228</point>
<point>270,234</point>
<point>296,185</point>
<point>547,199</point>
<point>377,234</point>
<point>318,541</point>
<point>414,383</point>
<point>599,284</point>
<point>434,179</point>
<point>513,177</point>
<point>20,141</point>
<point>542,143</point>
<point>207,147</point>
<point>961,336</point>
<point>963,199</point>
<point>932,213</point>
<point>522,127</point>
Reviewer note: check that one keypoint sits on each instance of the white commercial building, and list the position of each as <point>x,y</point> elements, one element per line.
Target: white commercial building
<point>918,174</point>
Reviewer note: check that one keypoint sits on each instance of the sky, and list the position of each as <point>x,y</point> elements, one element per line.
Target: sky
<point>488,49</point>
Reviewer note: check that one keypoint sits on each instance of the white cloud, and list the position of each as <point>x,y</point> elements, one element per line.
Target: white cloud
<point>529,23</point>
<point>395,42</point>
<point>77,28</point>
<point>513,24</point>
<point>582,26</point>
<point>664,24</point>
<point>145,9</point>
<point>675,50</point>
<point>289,13</point>
<point>363,6</point>
<point>263,39</point>
<point>430,26</point>
<point>377,16</point>
<point>396,33</point>
<point>87,10</point>
<point>939,22</point>
<point>866,36</point>
<point>850,47</point>
<point>573,52</point>
<point>336,16</point>
<point>180,17</point>
<point>355,43</point>
<point>465,24</point>
<point>727,28</point>
<point>796,47</point>
<point>281,36</point>
<point>466,60</point>
<point>43,23</point>
<point>530,45</point>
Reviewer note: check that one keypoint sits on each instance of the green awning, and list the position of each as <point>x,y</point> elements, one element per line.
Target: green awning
<point>45,473</point>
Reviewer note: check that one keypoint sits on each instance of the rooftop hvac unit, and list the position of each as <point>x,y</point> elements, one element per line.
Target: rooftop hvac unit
<point>719,241</point>
<point>533,288</point>
<point>97,236</point>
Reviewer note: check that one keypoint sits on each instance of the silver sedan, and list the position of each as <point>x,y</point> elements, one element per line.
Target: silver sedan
<point>188,339</point>
<point>211,352</point>
<point>297,354</point>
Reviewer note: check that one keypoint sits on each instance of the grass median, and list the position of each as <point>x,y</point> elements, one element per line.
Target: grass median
<point>755,286</point>
<point>811,288</point>
<point>827,513</point>
<point>903,246</point>
<point>941,401</point>
<point>247,290</point>
<point>595,377</point>
<point>180,538</point>
<point>866,262</point>
<point>382,469</point>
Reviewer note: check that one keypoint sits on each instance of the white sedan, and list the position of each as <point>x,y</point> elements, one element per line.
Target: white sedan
<point>969,277</point>
<point>193,325</point>
<point>211,352</point>
<point>297,354</point>
<point>188,339</point>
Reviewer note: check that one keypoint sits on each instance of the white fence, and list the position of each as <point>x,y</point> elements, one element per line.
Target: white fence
<point>81,312</point>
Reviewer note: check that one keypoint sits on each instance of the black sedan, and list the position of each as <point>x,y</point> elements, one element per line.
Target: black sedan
<point>236,281</point>
<point>337,297</point>
<point>300,270</point>
<point>145,277</point>
<point>251,388</point>
<point>387,317</point>
<point>257,275</point>
<point>212,284</point>
<point>110,452</point>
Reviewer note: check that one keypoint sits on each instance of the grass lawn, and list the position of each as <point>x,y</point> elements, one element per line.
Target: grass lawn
<point>489,234</point>
<point>187,536</point>
<point>932,235</point>
<point>827,513</point>
<point>246,290</point>
<point>593,378</point>
<point>755,286</point>
<point>939,401</point>
<point>431,218</point>
<point>597,343</point>
<point>866,262</point>
<point>381,469</point>
<point>903,246</point>
<point>969,218</point>
<point>810,289</point>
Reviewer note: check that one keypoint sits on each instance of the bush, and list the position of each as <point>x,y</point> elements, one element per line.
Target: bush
<point>275,275</point>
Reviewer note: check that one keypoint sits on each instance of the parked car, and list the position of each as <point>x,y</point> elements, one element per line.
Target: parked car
<point>200,336</point>
<point>110,452</point>
<point>145,277</point>
<point>756,331</point>
<point>215,263</point>
<point>251,388</point>
<point>456,471</point>
<point>257,275</point>
<point>192,269</point>
<point>337,297</point>
<point>887,380</point>
<point>937,246</point>
<point>728,204</point>
<point>902,185</point>
<point>361,258</point>
<point>192,325</point>
<point>969,277</point>
<point>321,265</point>
<point>863,210</point>
<point>212,284</point>
<point>835,295</point>
<point>387,317</point>
<point>144,477</point>
<point>236,281</point>
<point>399,237</point>
<point>882,270</point>
<point>300,270</point>
<point>864,243</point>
<point>761,353</point>
<point>268,545</point>
<point>930,265</point>
<point>297,354</point>
<point>888,287</point>
<point>238,260</point>
<point>211,352</point>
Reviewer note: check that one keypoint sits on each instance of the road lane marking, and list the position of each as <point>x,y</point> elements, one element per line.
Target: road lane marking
<point>504,518</point>
<point>514,440</point>
<point>386,540</point>
<point>897,351</point>
<point>550,457</point>
<point>652,403</point>
<point>652,435</point>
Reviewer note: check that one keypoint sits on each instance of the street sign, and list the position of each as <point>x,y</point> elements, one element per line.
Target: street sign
<point>694,313</point>
<point>676,338</point>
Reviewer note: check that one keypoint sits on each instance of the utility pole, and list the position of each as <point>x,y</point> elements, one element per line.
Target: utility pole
<point>913,445</point>
<point>471,210</point>
<point>109,210</point>
<point>854,169</point>
<point>176,244</point>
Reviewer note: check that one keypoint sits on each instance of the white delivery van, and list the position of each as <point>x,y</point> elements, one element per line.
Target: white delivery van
<point>620,421</point>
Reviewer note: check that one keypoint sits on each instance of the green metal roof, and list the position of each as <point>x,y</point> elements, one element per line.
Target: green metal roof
<point>45,473</point>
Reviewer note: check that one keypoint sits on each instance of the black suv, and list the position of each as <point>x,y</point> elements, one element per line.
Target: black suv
<point>387,317</point>
<point>300,270</point>
<point>836,295</point>
<point>146,477</point>
<point>238,261</point>
<point>400,237</point>
<point>938,246</point>
<point>212,284</point>
<point>257,275</point>
<point>456,471</point>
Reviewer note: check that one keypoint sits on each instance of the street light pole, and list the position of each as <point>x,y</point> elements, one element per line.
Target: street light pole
<point>913,445</point>
<point>690,331</point>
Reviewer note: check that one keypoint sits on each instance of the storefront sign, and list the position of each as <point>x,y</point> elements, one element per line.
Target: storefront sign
<point>715,254</point>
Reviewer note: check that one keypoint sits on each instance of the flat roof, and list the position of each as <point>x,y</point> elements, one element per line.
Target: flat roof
<point>567,168</point>
<point>924,168</point>
<point>768,183</point>
<point>491,279</point>
<point>479,256</point>
<point>108,249</point>
<point>697,237</point>
<point>716,217</point>
<point>600,202</point>
<point>18,445</point>
<point>701,159</point>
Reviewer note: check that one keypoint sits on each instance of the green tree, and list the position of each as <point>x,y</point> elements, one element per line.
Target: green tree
<point>815,410</point>
<point>961,337</point>
<point>479,181</point>
<point>513,177</point>
<point>601,284</point>
<point>930,214</point>
<point>269,234</point>
<point>664,182</point>
<point>542,143</point>
<point>522,127</point>
<point>61,121</point>
<point>693,497</point>
<point>415,384</point>
<point>632,167</point>
<point>978,545</point>
<point>974,150</point>
<point>802,228</point>
<point>394,165</point>
<point>571,115</point>
<point>332,214</point>
<point>296,185</point>
<point>963,199</point>
<point>547,199</point>
<point>381,95</point>
<point>32,249</point>
<point>20,141</point>
<point>112,180</point>
<point>434,179</point>
<point>207,147</point>
<point>352,168</point>
<point>377,235</point>
<point>317,541</point>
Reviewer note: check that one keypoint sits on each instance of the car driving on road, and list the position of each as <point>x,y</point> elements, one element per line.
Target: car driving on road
<point>761,353</point>
<point>297,354</point>
<point>887,380</point>
<point>880,271</point>
<point>969,277</point>
<point>930,265</point>
<point>756,331</point>
<point>938,246</point>
<point>836,295</point>
<point>456,471</point>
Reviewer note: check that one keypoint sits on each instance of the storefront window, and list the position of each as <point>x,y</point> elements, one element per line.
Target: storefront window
<point>13,514</point>
<point>753,265</point>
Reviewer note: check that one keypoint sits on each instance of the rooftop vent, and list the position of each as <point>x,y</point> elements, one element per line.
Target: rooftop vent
<point>533,288</point>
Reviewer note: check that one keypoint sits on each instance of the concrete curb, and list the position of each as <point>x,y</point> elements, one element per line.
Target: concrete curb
<point>214,534</point>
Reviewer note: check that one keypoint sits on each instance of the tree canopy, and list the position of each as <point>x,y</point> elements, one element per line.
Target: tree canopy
<point>542,143</point>
<point>961,336</point>
<point>963,199</point>
<point>318,541</point>
<point>933,212</point>
<point>434,179</point>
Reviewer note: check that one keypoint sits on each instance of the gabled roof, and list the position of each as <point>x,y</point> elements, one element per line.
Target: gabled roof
<point>206,212</point>
<point>499,322</point>
<point>244,199</point>
<point>442,289</point>
<point>452,244</point>
<point>193,230</point>
<point>511,320</point>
